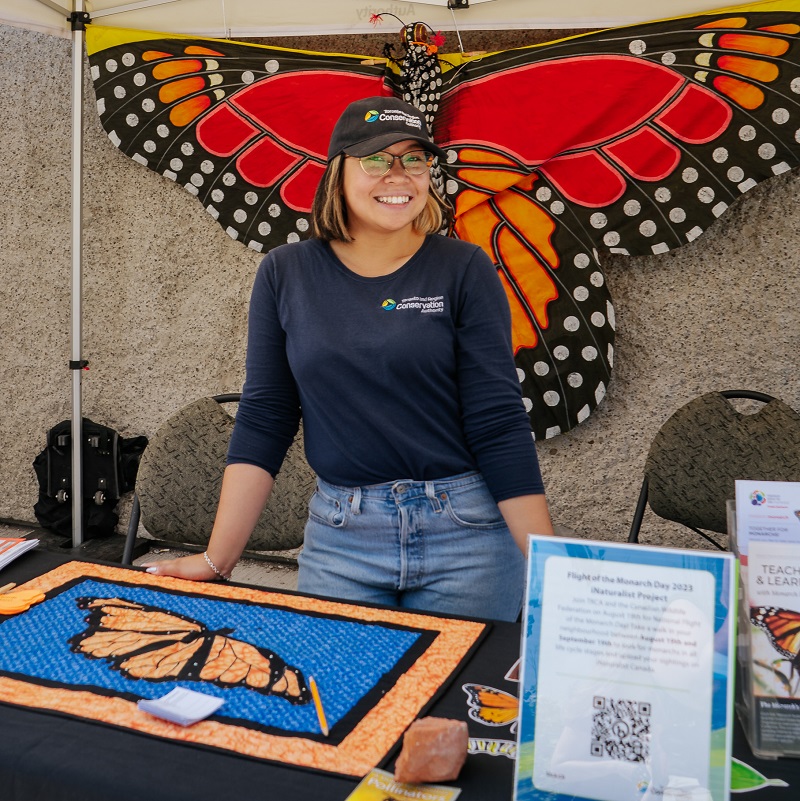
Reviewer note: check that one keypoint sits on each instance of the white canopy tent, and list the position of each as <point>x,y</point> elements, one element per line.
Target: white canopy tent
<point>246,18</point>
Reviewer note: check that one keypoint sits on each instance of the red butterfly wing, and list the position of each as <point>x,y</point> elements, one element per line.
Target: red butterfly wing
<point>243,128</point>
<point>631,141</point>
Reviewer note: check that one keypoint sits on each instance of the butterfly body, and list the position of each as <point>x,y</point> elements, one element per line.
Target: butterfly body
<point>154,644</point>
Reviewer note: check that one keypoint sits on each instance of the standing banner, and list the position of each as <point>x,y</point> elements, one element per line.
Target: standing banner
<point>627,673</point>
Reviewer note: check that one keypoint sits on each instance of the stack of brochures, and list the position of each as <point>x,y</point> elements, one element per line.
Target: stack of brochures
<point>12,547</point>
<point>765,535</point>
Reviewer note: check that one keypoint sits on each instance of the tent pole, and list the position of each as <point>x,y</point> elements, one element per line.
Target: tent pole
<point>78,19</point>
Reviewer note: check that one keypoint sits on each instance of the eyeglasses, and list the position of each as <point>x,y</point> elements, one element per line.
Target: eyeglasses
<point>415,162</point>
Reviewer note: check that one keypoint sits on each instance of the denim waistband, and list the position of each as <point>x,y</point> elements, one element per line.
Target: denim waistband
<point>403,489</point>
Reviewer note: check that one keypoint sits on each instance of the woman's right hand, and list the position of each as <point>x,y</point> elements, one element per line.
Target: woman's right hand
<point>194,568</point>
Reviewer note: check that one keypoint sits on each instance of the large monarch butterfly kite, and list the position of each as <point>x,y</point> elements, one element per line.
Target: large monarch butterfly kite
<point>630,140</point>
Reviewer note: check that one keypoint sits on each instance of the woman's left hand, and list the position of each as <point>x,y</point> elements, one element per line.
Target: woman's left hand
<point>193,568</point>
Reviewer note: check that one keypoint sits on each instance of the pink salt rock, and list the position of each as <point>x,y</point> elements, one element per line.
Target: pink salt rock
<point>434,750</point>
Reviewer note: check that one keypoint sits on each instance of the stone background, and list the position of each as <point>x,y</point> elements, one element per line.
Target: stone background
<point>165,301</point>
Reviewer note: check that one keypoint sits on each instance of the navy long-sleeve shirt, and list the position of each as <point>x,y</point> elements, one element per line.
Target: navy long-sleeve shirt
<point>404,376</point>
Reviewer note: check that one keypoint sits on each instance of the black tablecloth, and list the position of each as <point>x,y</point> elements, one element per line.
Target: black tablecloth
<point>50,757</point>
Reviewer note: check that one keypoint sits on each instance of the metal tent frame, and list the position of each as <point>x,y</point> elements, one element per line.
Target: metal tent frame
<point>78,18</point>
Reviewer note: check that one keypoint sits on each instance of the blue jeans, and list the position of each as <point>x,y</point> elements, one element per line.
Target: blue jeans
<point>439,546</point>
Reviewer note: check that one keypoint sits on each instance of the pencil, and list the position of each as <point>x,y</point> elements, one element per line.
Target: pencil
<point>7,587</point>
<point>323,723</point>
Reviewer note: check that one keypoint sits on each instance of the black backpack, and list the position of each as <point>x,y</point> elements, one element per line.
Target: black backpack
<point>110,463</point>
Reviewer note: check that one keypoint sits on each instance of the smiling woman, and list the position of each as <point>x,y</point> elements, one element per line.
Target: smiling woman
<point>393,171</point>
<point>384,203</point>
<point>394,343</point>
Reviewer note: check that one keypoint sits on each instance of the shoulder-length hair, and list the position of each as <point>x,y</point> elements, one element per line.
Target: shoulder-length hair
<point>329,211</point>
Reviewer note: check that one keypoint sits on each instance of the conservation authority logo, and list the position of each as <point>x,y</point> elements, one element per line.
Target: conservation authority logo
<point>426,305</point>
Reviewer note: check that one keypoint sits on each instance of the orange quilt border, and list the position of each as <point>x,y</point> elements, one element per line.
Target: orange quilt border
<point>362,749</point>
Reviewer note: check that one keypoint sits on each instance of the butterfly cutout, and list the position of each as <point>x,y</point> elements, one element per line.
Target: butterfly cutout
<point>783,629</point>
<point>491,707</point>
<point>154,644</point>
<point>513,671</point>
<point>632,140</point>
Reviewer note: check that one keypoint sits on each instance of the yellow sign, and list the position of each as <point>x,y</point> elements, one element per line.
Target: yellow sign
<point>379,785</point>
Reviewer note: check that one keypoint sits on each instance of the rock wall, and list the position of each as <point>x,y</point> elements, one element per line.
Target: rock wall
<point>165,295</point>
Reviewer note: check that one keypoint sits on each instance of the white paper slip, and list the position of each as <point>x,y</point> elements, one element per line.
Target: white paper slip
<point>181,706</point>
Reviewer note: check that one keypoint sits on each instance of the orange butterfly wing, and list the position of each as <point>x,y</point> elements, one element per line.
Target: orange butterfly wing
<point>490,706</point>
<point>494,212</point>
<point>232,662</point>
<point>145,642</point>
<point>123,628</point>
<point>782,627</point>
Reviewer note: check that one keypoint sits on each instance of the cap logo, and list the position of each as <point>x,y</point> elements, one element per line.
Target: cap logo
<point>393,115</point>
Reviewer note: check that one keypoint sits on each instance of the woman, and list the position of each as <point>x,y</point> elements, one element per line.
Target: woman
<point>395,343</point>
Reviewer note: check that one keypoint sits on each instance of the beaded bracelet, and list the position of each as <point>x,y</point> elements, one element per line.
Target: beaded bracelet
<point>214,567</point>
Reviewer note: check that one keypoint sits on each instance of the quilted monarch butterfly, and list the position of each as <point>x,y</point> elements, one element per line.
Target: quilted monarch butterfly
<point>783,629</point>
<point>632,140</point>
<point>490,706</point>
<point>154,644</point>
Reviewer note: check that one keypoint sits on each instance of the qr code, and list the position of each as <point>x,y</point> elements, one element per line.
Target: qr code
<point>620,729</point>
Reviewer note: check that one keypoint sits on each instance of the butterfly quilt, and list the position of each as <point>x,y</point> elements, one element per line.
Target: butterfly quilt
<point>105,638</point>
<point>631,141</point>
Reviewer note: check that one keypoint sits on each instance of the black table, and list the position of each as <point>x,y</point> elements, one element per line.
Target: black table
<point>51,757</point>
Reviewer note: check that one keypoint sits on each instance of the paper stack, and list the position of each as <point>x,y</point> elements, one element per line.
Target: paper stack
<point>12,547</point>
<point>766,538</point>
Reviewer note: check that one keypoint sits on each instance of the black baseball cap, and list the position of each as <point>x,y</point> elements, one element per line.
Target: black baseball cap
<point>374,123</point>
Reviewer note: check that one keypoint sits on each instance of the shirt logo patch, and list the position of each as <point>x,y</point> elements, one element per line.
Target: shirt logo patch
<point>426,305</point>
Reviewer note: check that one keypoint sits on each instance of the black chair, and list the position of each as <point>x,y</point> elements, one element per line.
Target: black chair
<point>706,445</point>
<point>179,480</point>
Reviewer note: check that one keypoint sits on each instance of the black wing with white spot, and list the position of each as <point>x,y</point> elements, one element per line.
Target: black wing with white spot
<point>630,141</point>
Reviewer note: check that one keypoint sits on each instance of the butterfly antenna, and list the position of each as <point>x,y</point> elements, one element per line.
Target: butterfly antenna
<point>388,47</point>
<point>376,19</point>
